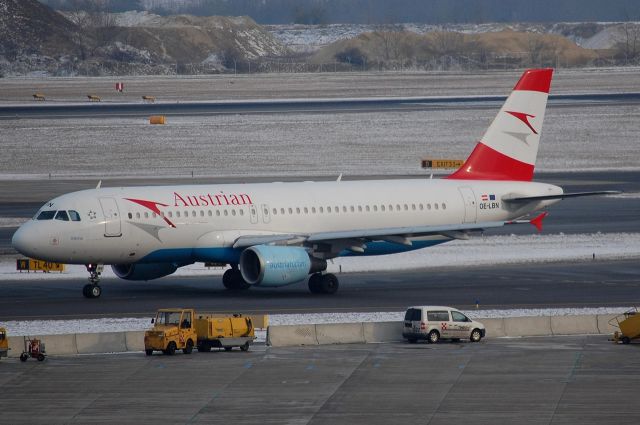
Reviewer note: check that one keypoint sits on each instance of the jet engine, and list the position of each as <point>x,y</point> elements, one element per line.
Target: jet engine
<point>141,271</point>
<point>265,265</point>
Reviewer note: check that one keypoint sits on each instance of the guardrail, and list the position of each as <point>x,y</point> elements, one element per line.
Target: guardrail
<point>320,334</point>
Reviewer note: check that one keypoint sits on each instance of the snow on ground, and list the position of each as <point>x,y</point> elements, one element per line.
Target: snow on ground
<point>59,327</point>
<point>476,251</point>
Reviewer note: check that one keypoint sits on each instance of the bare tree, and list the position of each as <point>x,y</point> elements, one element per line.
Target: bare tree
<point>628,42</point>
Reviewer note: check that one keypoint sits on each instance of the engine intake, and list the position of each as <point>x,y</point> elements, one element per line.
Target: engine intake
<point>139,271</point>
<point>265,265</point>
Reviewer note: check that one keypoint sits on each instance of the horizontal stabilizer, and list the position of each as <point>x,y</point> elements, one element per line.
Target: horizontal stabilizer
<point>561,196</point>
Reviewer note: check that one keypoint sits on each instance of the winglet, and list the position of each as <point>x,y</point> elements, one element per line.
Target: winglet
<point>537,221</point>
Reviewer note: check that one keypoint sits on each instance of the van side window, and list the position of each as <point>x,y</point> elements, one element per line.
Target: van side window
<point>459,317</point>
<point>438,316</point>
<point>413,314</point>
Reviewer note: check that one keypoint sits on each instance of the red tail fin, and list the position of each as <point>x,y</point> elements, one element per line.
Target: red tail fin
<point>509,148</point>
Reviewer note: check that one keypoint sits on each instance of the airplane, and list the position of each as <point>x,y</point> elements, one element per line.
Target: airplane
<point>277,234</point>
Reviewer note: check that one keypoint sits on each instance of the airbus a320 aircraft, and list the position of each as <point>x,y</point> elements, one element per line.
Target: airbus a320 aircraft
<point>277,234</point>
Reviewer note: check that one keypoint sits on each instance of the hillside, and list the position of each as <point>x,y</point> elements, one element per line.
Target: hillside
<point>454,50</point>
<point>30,28</point>
<point>37,38</point>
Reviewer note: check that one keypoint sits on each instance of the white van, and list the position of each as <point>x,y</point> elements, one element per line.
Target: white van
<point>435,322</point>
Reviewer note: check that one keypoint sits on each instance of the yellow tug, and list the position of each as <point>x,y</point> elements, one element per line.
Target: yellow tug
<point>179,329</point>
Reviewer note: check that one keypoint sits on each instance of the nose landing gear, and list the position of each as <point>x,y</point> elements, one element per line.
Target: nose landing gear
<point>93,289</point>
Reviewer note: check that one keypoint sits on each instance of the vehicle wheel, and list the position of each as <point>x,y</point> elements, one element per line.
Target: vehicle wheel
<point>245,346</point>
<point>228,348</point>
<point>329,284</point>
<point>434,336</point>
<point>626,340</point>
<point>188,349</point>
<point>171,349</point>
<point>148,352</point>
<point>24,357</point>
<point>40,357</point>
<point>315,280</point>
<point>412,340</point>
<point>476,335</point>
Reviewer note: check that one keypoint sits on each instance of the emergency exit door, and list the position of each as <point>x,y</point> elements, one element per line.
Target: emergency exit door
<point>470,204</point>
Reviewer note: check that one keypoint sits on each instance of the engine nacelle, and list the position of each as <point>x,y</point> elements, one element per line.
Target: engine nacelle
<point>277,265</point>
<point>143,271</point>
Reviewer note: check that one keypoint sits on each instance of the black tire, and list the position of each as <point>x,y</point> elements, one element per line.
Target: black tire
<point>171,349</point>
<point>86,290</point>
<point>148,352</point>
<point>24,357</point>
<point>245,346</point>
<point>315,280</point>
<point>412,340</point>
<point>476,335</point>
<point>204,347</point>
<point>626,340</point>
<point>40,357</point>
<point>96,291</point>
<point>434,336</point>
<point>329,284</point>
<point>188,348</point>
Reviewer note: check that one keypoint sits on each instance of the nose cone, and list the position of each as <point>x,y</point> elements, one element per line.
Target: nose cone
<point>25,240</point>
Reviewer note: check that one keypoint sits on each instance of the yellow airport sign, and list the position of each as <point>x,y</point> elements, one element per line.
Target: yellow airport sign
<point>441,163</point>
<point>29,265</point>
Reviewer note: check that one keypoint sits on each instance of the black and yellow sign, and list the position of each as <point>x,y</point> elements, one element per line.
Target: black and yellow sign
<point>29,265</point>
<point>441,163</point>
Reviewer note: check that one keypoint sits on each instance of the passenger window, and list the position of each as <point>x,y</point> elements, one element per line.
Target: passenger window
<point>444,206</point>
<point>459,317</point>
<point>209,213</point>
<point>62,216</point>
<point>130,215</point>
<point>137,215</point>
<point>226,213</point>
<point>177,213</point>
<point>328,209</point>
<point>193,213</point>
<point>233,212</point>
<point>146,215</point>
<point>74,215</point>
<point>438,316</point>
<point>46,215</point>
<point>241,212</point>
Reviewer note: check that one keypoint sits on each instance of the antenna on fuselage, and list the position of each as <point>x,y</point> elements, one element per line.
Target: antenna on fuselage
<point>339,178</point>
<point>99,184</point>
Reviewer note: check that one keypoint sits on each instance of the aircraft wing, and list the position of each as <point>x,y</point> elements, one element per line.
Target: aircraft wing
<point>457,231</point>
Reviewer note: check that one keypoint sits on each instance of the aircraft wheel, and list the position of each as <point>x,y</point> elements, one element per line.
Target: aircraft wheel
<point>329,284</point>
<point>91,291</point>
<point>315,281</point>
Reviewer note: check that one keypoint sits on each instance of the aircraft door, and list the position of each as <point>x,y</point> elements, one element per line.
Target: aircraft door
<point>253,214</point>
<point>470,208</point>
<point>112,227</point>
<point>266,216</point>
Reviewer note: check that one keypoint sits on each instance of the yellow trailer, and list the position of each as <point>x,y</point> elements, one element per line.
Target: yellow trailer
<point>629,325</point>
<point>4,343</point>
<point>224,332</point>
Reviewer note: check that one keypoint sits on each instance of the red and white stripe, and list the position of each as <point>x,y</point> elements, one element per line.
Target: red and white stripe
<point>508,149</point>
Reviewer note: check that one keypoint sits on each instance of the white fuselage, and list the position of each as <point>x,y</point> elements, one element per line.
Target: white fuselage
<point>186,224</point>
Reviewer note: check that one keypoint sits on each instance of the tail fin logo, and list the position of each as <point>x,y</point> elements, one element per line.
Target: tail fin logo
<point>524,118</point>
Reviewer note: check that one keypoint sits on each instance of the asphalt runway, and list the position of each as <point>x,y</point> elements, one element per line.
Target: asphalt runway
<point>93,110</point>
<point>561,380</point>
<point>547,285</point>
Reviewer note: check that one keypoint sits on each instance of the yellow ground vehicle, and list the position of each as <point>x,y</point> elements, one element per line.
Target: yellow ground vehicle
<point>629,324</point>
<point>179,329</point>
<point>4,342</point>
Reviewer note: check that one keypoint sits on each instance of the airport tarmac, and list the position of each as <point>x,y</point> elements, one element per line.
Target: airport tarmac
<point>590,283</point>
<point>544,380</point>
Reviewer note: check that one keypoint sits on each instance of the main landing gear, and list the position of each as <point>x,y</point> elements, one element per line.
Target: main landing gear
<point>93,289</point>
<point>323,283</point>
<point>232,279</point>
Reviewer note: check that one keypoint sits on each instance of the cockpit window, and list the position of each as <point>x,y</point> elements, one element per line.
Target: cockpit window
<point>62,216</point>
<point>74,215</point>
<point>46,215</point>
